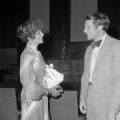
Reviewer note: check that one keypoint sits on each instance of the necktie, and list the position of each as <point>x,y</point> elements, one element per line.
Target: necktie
<point>96,44</point>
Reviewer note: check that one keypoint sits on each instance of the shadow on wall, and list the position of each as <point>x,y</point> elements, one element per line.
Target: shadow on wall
<point>77,50</point>
<point>7,56</point>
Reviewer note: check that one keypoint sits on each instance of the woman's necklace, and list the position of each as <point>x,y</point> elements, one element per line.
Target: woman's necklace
<point>33,49</point>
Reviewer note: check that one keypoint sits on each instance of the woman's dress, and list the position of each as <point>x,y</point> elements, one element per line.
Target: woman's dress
<point>34,102</point>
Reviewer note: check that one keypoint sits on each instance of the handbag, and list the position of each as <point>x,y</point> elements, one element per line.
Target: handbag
<point>53,77</point>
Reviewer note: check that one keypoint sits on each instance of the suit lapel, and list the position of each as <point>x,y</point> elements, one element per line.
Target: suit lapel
<point>104,50</point>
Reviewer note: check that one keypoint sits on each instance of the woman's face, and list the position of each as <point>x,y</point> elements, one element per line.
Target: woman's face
<point>39,37</point>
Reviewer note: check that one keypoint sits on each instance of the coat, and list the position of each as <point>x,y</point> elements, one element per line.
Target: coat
<point>103,96</point>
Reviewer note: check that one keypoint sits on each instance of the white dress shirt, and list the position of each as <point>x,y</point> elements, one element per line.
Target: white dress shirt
<point>95,53</point>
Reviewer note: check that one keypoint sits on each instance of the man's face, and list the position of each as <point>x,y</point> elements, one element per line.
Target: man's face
<point>91,30</point>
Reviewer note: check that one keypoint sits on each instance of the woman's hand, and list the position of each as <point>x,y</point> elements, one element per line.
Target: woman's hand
<point>56,91</point>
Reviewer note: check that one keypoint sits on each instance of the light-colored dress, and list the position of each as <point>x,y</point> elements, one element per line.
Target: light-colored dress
<point>34,101</point>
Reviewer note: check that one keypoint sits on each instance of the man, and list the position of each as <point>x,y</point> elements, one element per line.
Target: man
<point>100,83</point>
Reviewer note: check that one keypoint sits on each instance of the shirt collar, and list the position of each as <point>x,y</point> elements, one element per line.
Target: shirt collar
<point>103,37</point>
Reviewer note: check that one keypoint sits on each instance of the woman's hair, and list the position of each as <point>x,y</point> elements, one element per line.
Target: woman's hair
<point>99,19</point>
<point>28,29</point>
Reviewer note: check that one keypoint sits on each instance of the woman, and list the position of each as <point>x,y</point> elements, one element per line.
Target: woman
<point>34,100</point>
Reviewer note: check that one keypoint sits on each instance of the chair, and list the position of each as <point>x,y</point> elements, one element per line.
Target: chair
<point>8,104</point>
<point>65,107</point>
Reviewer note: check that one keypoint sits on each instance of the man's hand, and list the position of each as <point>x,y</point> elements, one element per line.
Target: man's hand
<point>82,106</point>
<point>117,116</point>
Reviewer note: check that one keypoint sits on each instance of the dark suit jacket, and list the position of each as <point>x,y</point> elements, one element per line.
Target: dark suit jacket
<point>103,96</point>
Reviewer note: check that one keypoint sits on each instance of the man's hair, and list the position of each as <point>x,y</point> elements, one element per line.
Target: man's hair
<point>28,29</point>
<point>99,19</point>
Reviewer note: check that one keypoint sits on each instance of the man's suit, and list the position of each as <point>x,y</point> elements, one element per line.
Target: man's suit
<point>102,97</point>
